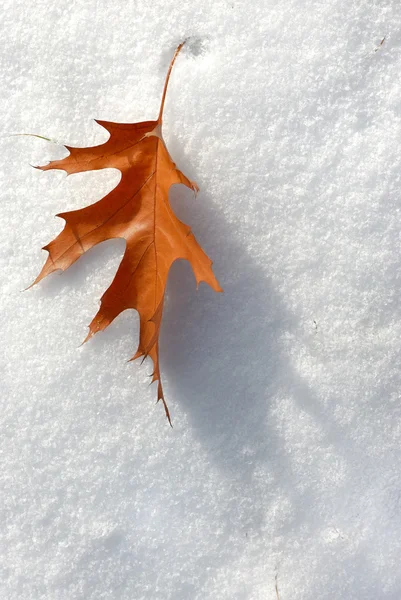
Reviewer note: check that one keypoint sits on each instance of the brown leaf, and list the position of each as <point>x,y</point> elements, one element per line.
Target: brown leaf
<point>137,210</point>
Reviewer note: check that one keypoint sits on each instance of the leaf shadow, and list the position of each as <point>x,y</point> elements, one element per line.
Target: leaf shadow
<point>221,354</point>
<point>226,362</point>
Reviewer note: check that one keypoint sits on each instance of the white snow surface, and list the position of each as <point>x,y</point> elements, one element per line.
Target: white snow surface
<point>284,459</point>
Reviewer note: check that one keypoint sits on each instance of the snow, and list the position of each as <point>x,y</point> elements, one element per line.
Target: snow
<point>285,390</point>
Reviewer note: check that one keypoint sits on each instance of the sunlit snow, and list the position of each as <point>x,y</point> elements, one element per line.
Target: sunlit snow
<point>284,459</point>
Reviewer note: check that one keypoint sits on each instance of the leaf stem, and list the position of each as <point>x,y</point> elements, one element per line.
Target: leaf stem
<point>159,118</point>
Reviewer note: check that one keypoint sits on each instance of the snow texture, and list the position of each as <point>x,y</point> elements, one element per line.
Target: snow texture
<point>284,459</point>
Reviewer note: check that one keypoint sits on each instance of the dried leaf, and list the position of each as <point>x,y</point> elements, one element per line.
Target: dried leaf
<point>137,210</point>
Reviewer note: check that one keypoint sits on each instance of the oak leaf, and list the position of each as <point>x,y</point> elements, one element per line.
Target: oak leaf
<point>137,210</point>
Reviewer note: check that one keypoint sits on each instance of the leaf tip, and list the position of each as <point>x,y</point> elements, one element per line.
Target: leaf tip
<point>29,286</point>
<point>137,354</point>
<point>91,333</point>
<point>160,396</point>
